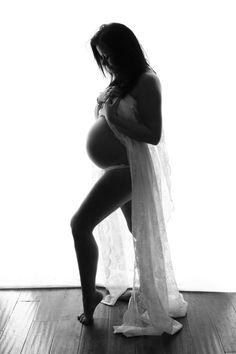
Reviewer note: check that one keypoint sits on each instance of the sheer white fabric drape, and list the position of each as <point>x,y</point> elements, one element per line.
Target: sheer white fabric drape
<point>155,297</point>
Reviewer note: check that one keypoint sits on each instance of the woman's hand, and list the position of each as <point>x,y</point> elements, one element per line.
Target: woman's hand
<point>113,92</point>
<point>111,107</point>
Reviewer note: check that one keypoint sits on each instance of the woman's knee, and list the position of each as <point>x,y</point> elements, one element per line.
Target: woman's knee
<point>80,225</point>
<point>112,190</point>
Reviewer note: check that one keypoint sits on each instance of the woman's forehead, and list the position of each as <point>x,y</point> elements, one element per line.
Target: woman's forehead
<point>102,49</point>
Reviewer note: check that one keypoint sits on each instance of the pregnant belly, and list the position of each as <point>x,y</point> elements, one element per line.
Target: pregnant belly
<point>103,147</point>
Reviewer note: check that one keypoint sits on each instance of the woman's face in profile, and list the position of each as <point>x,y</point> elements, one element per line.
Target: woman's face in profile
<point>106,59</point>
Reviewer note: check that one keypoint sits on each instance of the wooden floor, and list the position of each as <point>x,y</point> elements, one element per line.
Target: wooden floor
<point>44,321</point>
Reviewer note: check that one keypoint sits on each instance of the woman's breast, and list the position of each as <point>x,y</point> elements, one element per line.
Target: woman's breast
<point>103,147</point>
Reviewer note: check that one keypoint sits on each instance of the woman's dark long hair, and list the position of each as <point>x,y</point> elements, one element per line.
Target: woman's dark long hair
<point>126,53</point>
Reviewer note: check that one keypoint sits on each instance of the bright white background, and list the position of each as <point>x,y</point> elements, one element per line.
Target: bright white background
<point>49,82</point>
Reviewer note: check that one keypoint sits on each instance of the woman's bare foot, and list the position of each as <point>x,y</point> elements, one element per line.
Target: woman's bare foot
<point>86,318</point>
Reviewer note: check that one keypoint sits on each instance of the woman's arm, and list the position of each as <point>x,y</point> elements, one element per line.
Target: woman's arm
<point>135,130</point>
<point>148,96</point>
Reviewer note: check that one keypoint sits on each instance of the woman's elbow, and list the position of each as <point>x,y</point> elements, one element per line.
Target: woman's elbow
<point>154,140</point>
<point>156,133</point>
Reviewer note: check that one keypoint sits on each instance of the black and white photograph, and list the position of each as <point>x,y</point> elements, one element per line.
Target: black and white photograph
<point>118,177</point>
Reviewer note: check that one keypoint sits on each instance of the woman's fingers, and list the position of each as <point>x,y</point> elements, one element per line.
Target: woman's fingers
<point>114,91</point>
<point>113,100</point>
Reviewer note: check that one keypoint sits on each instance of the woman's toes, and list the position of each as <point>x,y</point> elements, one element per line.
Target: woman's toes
<point>83,319</point>
<point>86,318</point>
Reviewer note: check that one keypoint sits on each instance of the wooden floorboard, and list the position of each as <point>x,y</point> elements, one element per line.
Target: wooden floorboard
<point>68,332</point>
<point>40,337</point>
<point>50,305</point>
<point>95,339</point>
<point>222,312</point>
<point>205,337</point>
<point>117,342</point>
<point>44,321</point>
<point>8,300</point>
<point>67,337</point>
<point>16,330</point>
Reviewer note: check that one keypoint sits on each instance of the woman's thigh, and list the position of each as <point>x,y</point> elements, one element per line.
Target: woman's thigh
<point>110,192</point>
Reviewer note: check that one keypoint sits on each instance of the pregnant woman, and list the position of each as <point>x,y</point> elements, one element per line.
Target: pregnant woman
<point>123,142</point>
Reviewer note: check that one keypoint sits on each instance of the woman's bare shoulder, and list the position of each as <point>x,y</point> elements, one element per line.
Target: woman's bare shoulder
<point>147,79</point>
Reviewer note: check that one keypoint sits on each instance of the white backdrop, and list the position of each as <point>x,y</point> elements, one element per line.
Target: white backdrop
<point>49,82</point>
